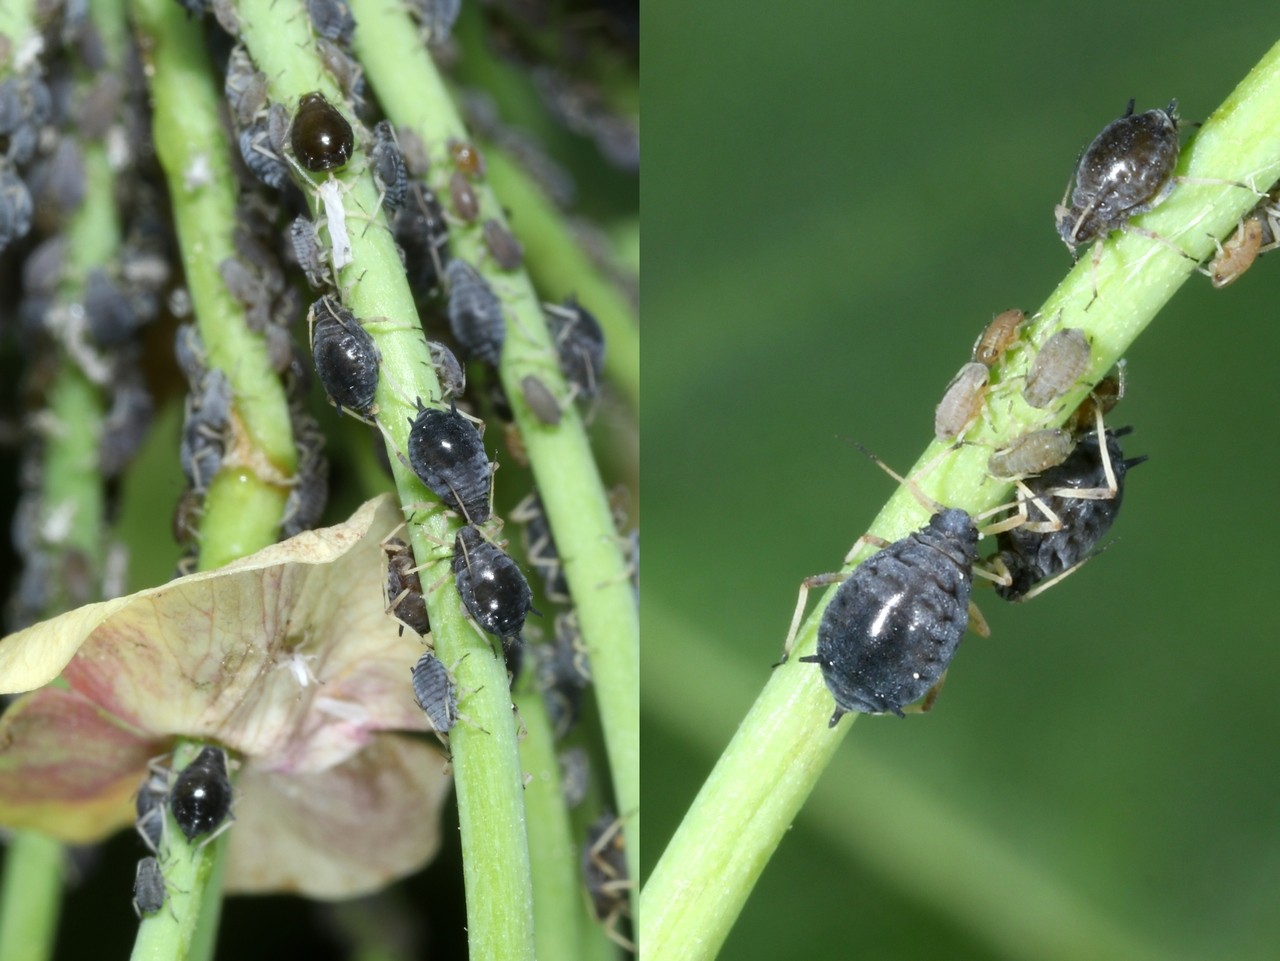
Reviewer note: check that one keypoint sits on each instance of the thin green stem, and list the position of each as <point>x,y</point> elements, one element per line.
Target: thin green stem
<point>783,745</point>
<point>17,27</point>
<point>30,897</point>
<point>414,95</point>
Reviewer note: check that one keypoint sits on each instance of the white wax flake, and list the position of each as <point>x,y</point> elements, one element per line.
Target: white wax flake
<point>198,174</point>
<point>336,222</point>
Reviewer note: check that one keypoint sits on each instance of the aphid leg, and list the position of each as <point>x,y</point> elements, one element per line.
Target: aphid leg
<point>1021,517</point>
<point>995,570</point>
<point>225,825</point>
<point>977,623</point>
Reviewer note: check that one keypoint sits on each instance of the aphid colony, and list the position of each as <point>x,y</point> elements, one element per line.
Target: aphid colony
<point>199,797</point>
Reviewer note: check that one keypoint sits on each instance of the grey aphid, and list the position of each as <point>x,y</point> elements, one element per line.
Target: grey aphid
<point>475,313</point>
<point>436,692</point>
<point>387,163</point>
<point>148,888</point>
<point>1059,365</point>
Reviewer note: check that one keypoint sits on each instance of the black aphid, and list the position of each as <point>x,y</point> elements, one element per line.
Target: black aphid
<point>580,343</point>
<point>452,378</point>
<point>894,625</point>
<point>112,319</point>
<point>332,19</point>
<point>422,232</point>
<point>245,87</point>
<point>387,163</point>
<point>575,775</point>
<point>506,251</point>
<point>436,692</point>
<point>438,16</point>
<point>16,208</point>
<point>346,357</point>
<point>563,673</point>
<point>261,146</point>
<point>475,313</point>
<point>148,888</point>
<point>447,454</point>
<point>404,589</point>
<point>206,421</point>
<point>309,252</point>
<point>494,591</point>
<point>201,795</point>
<point>126,424</point>
<point>320,136</point>
<point>1085,502</point>
<point>149,806</point>
<point>1127,170</point>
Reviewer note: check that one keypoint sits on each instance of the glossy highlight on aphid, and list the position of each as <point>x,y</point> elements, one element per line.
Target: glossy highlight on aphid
<point>447,454</point>
<point>201,795</point>
<point>495,593</point>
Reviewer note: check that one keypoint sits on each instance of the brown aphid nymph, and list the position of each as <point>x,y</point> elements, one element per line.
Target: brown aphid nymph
<point>1032,453</point>
<point>1061,362</point>
<point>961,403</point>
<point>320,136</point>
<point>1000,335</point>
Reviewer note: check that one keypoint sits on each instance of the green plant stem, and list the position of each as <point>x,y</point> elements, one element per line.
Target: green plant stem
<point>17,25</point>
<point>30,897</point>
<point>414,95</point>
<point>752,796</point>
<point>242,512</point>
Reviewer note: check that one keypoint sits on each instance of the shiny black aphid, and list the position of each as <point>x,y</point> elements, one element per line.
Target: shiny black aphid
<point>893,627</point>
<point>1126,171</point>
<point>447,454</point>
<point>320,136</point>
<point>436,693</point>
<point>475,313</point>
<point>1029,556</point>
<point>201,796</point>
<point>580,343</point>
<point>148,888</point>
<point>346,357</point>
<point>404,589</point>
<point>491,585</point>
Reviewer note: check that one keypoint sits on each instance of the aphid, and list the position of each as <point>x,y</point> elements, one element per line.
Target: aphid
<point>575,775</point>
<point>320,136</point>
<point>261,146</point>
<point>309,252</point>
<point>1101,400</point>
<point>345,355</point>
<point>1032,453</point>
<point>1000,335</point>
<point>201,795</point>
<point>437,16</point>
<point>961,402</point>
<point>506,251</point>
<point>188,347</point>
<point>467,158</point>
<point>245,87</point>
<point>332,19</point>
<point>895,623</point>
<point>1082,497</point>
<point>463,198</point>
<point>580,344</point>
<point>414,152</point>
<point>1126,171</point>
<point>126,424</point>
<point>112,319</point>
<point>436,692</point>
<point>387,163</point>
<point>563,673</point>
<point>345,69</point>
<point>186,517</point>
<point>206,421</point>
<point>447,454</point>
<point>540,548</point>
<point>475,313</point>
<point>1256,234</point>
<point>1060,363</point>
<point>541,401</point>
<point>148,888</point>
<point>309,495</point>
<point>57,183</point>
<point>450,374</point>
<point>149,805</point>
<point>604,869</point>
<point>249,289</point>
<point>16,208</point>
<point>492,588</point>
<point>422,232</point>
<point>404,589</point>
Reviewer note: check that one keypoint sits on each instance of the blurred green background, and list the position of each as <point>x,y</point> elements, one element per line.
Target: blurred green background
<point>837,199</point>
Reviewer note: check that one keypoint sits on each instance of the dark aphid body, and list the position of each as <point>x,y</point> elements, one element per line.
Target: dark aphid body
<point>580,343</point>
<point>961,402</point>
<point>261,143</point>
<point>541,401</point>
<point>16,208</point>
<point>320,136</point>
<point>604,870</point>
<point>894,625</point>
<point>462,197</point>
<point>506,251</point>
<point>332,19</point>
<point>422,232</point>
<point>1032,453</point>
<point>494,591</point>
<point>436,692</point>
<point>112,319</point>
<point>475,313</point>
<point>201,795</point>
<point>149,807</point>
<point>1127,170</point>
<point>1061,362</point>
<point>206,422</point>
<point>125,427</point>
<point>438,16</point>
<point>447,454</point>
<point>309,495</point>
<point>245,87</point>
<point>540,548</point>
<point>148,888</point>
<point>309,252</point>
<point>452,378</point>
<point>1001,334</point>
<point>404,588</point>
<point>387,163</point>
<point>346,357</point>
<point>1030,556</point>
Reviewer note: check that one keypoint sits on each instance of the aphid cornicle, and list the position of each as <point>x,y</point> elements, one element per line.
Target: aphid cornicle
<point>1126,171</point>
<point>1061,362</point>
<point>201,795</point>
<point>894,625</point>
<point>447,454</point>
<point>492,588</point>
<point>1030,555</point>
<point>320,136</point>
<point>346,358</point>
